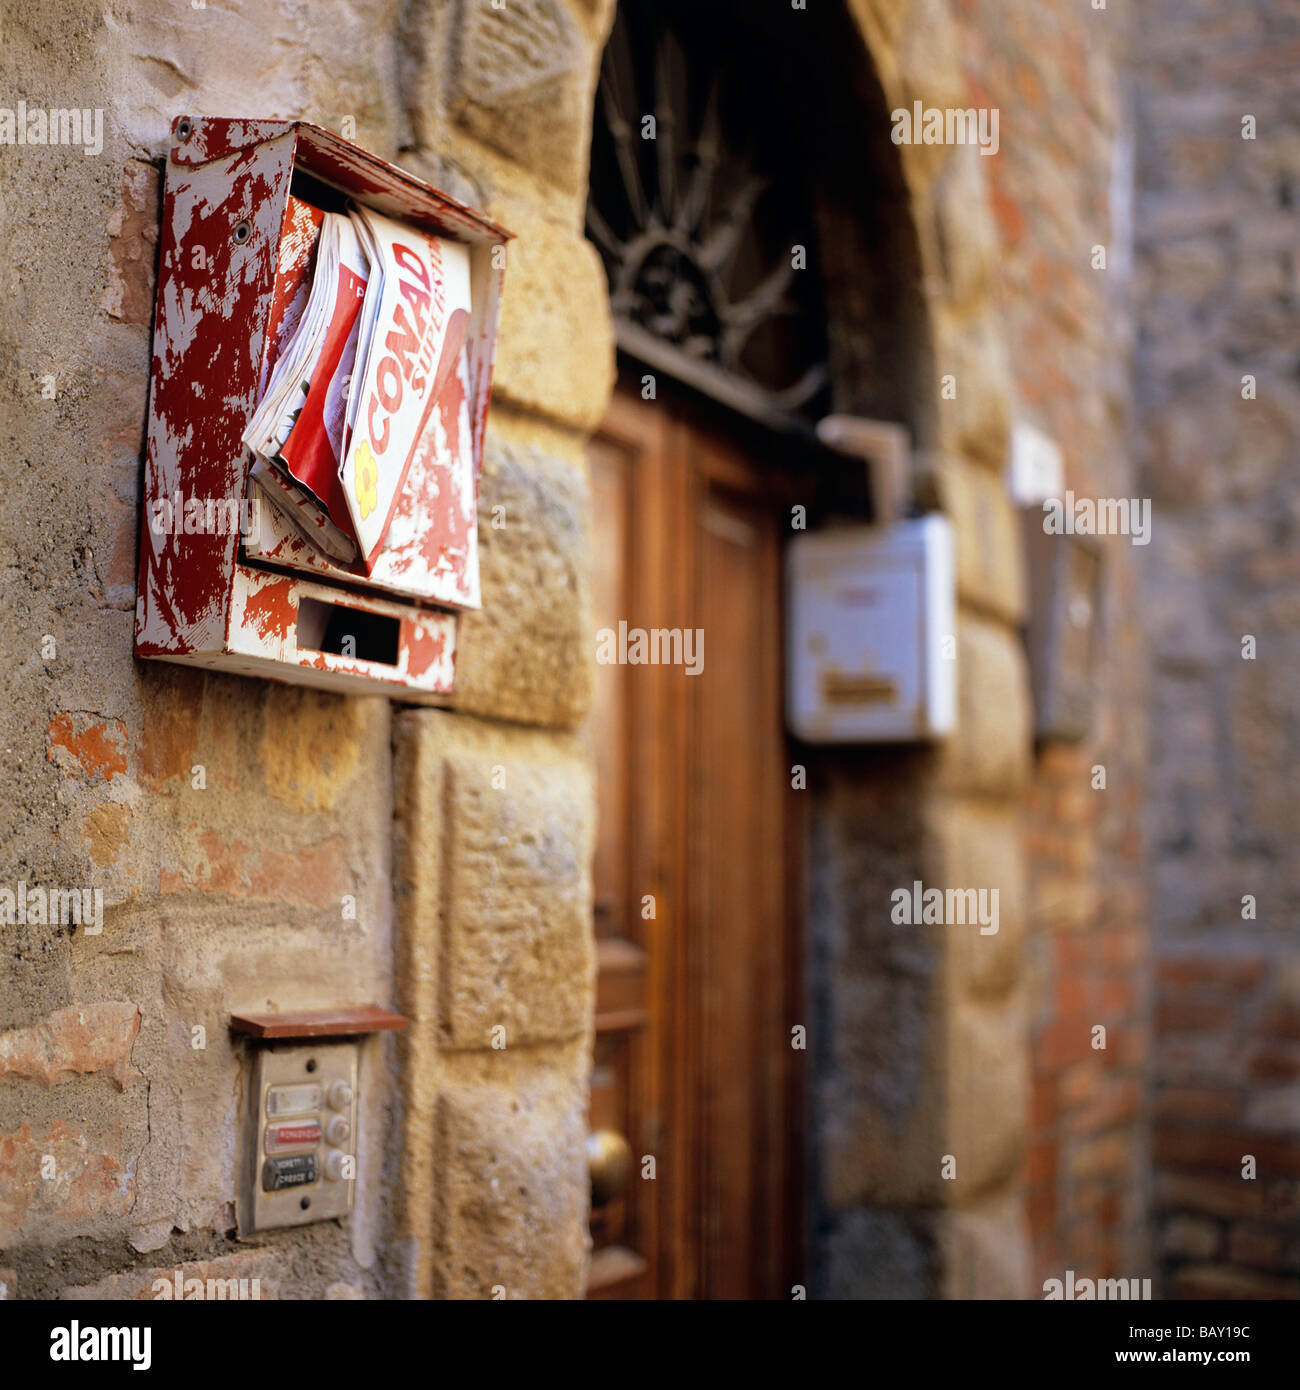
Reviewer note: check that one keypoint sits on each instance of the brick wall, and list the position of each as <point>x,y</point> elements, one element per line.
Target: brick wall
<point>1058,188</point>
<point>1217,235</point>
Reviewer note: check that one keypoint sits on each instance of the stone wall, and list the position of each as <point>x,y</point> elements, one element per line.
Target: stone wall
<point>229,821</point>
<point>1218,405</point>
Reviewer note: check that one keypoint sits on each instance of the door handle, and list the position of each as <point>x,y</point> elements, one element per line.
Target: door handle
<point>609,1165</point>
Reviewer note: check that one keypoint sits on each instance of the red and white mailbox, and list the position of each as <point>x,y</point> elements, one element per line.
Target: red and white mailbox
<point>272,605</point>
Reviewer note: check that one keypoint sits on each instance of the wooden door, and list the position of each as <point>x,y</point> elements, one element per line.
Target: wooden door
<point>697,947</point>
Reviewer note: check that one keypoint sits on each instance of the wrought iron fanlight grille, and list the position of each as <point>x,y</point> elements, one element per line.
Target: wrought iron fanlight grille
<point>698,208</point>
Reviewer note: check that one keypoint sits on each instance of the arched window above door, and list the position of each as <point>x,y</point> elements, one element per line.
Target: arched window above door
<point>699,209</point>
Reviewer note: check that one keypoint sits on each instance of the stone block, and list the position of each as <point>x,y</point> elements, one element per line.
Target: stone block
<point>991,752</point>
<point>977,420</point>
<point>528,655</point>
<point>981,849</point>
<point>495,881</point>
<point>512,1190</point>
<point>985,1251</point>
<point>987,1093</point>
<point>520,78</point>
<point>990,552</point>
<point>555,345</point>
<point>965,231</point>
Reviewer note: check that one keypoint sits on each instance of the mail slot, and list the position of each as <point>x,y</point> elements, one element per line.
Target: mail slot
<point>227,580</point>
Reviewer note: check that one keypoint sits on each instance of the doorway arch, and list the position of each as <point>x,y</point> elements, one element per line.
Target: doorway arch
<point>764,271</point>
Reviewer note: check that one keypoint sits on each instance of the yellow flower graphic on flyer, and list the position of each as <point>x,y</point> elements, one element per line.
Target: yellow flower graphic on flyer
<point>367,479</point>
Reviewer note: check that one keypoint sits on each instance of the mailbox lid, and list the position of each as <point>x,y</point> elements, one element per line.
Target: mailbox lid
<point>341,163</point>
<point>369,179</point>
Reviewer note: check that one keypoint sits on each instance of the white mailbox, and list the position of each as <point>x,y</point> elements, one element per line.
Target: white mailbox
<point>871,633</point>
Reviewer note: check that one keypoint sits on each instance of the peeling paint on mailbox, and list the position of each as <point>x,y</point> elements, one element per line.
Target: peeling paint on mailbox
<point>212,597</point>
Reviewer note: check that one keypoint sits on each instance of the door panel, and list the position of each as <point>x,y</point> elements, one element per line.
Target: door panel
<point>693,935</point>
<point>622,1073</point>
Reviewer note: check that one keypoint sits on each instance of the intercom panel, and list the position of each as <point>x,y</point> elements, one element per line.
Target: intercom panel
<point>300,1145</point>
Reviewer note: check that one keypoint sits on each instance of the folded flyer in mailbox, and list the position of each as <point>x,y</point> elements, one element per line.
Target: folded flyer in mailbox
<point>412,332</point>
<point>297,430</point>
<point>366,381</point>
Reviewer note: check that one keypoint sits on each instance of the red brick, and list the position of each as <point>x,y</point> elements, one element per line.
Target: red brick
<point>1063,1041</point>
<point>1108,1155</point>
<point>314,874</point>
<point>1197,1103</point>
<point>1119,1102</point>
<point>1123,947</point>
<point>1081,1082</point>
<point>1218,1196</point>
<point>1283,1021</point>
<point>1183,1148</point>
<point>77,739</point>
<point>1272,1064</point>
<point>1192,1016</point>
<point>94,1179</point>
<point>1041,1207</point>
<point>1258,1247</point>
<point>1071,995</point>
<point>1073,953</point>
<point>75,1041</point>
<point>1127,1046</point>
<point>1041,1162</point>
<point>1282,1199</point>
<point>133,245</point>
<point>169,736</point>
<point>1117,996</point>
<point>1214,1281</point>
<point>1042,1104</point>
<point>1208,970</point>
